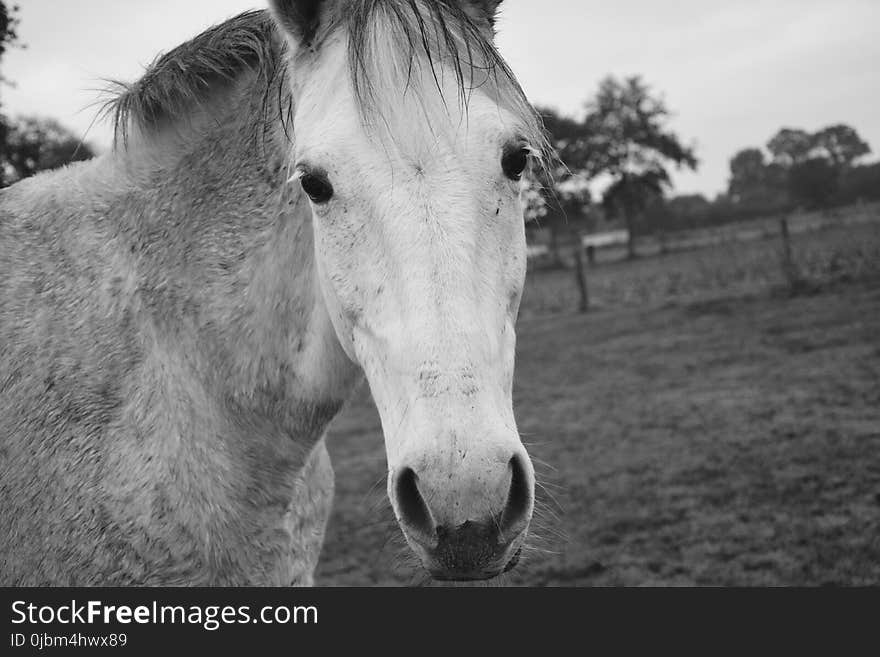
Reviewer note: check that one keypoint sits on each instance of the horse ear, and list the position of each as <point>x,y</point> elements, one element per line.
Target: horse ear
<point>300,20</point>
<point>482,12</point>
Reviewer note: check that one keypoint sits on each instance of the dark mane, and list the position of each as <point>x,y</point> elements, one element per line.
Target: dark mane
<point>432,33</point>
<point>182,79</point>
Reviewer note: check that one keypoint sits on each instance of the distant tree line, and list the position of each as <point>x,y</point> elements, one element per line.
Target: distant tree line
<point>31,144</point>
<point>623,145</point>
<point>815,170</point>
<point>797,171</point>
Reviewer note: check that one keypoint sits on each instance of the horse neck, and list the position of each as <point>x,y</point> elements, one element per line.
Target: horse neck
<point>224,251</point>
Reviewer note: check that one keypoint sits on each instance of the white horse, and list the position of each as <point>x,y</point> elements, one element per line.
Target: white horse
<point>294,201</point>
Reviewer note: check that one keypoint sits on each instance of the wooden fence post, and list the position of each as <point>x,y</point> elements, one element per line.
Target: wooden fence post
<point>581,275</point>
<point>787,261</point>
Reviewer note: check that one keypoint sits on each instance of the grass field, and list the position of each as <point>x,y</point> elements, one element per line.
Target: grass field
<point>721,432</point>
<point>826,256</point>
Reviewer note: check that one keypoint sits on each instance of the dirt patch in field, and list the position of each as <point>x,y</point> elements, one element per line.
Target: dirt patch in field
<point>735,442</point>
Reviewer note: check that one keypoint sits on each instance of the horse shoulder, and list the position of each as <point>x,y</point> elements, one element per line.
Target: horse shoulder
<point>64,359</point>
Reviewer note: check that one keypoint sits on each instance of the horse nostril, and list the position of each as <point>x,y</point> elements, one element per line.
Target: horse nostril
<point>519,500</point>
<point>414,512</point>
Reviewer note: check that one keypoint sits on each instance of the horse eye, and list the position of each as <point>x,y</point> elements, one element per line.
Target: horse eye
<point>317,187</point>
<point>514,162</point>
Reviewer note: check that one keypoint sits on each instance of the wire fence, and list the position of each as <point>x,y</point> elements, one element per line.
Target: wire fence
<point>795,254</point>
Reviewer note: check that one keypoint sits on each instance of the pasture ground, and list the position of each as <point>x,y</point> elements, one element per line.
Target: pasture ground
<point>723,437</point>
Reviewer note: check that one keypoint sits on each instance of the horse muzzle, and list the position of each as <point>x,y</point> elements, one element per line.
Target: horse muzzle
<point>473,551</point>
<point>466,532</point>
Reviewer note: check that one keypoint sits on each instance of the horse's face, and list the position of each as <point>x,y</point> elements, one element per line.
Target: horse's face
<point>420,252</point>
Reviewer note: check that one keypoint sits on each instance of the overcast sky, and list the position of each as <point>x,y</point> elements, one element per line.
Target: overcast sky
<point>733,72</point>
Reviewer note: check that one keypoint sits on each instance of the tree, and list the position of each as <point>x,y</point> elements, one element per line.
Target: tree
<point>8,37</point>
<point>687,211</point>
<point>560,200</point>
<point>840,145</point>
<point>814,182</point>
<point>814,164</point>
<point>755,182</point>
<point>628,132</point>
<point>37,144</point>
<point>748,173</point>
<point>861,183</point>
<point>8,26</point>
<point>790,146</point>
<point>577,146</point>
<point>630,194</point>
<point>29,145</point>
<point>622,136</point>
